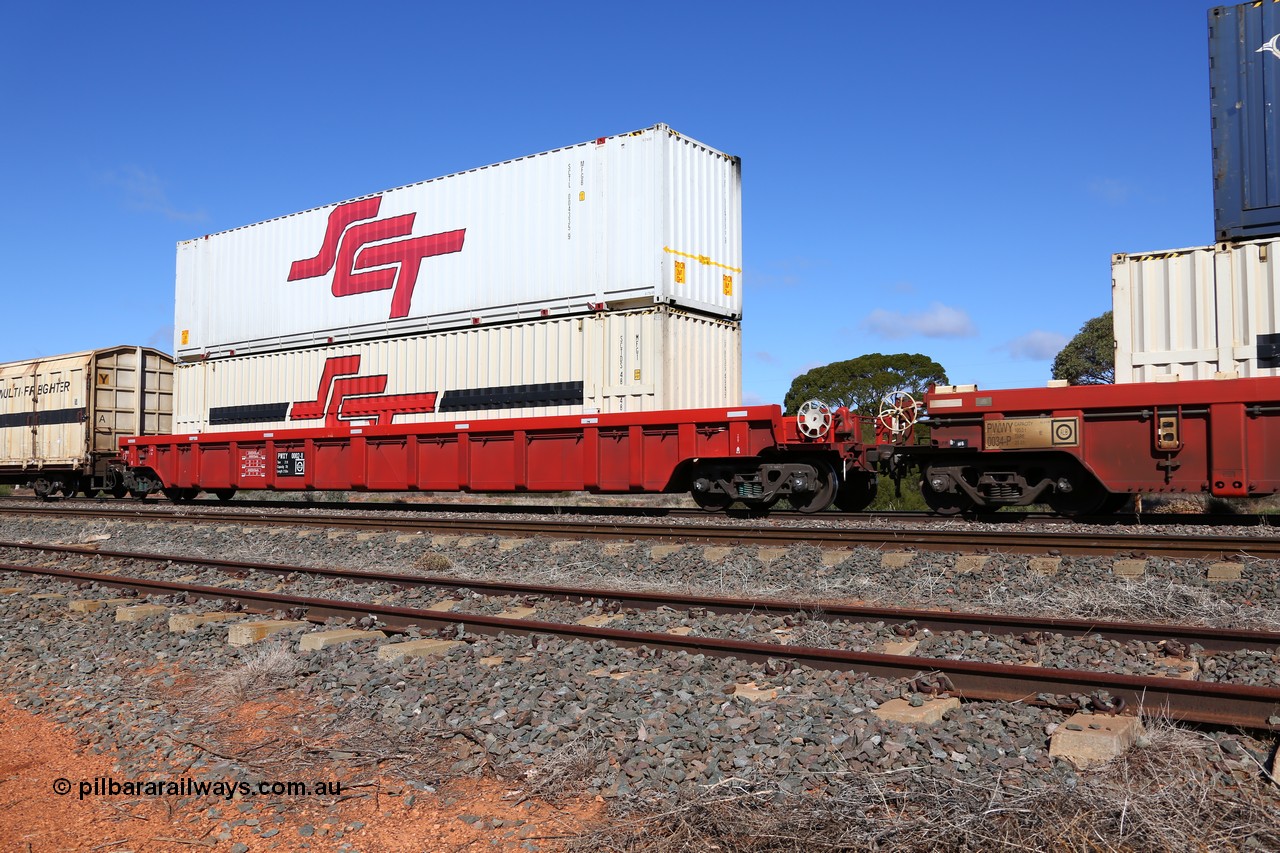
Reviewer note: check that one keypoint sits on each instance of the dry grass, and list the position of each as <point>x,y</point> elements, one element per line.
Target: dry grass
<point>433,562</point>
<point>273,667</point>
<point>560,773</point>
<point>1146,599</point>
<point>1163,795</point>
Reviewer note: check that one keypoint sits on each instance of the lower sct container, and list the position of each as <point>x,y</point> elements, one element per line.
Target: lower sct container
<point>604,362</point>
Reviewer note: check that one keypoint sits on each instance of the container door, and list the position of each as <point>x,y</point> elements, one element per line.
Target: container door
<point>629,346</point>
<point>59,411</point>
<point>132,395</point>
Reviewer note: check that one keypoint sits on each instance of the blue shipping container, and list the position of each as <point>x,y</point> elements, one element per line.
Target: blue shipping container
<point>1244,83</point>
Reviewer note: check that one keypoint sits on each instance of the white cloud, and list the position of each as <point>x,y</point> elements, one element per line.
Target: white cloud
<point>810,365</point>
<point>937,321</point>
<point>162,338</point>
<point>1035,346</point>
<point>765,357</point>
<point>145,192</point>
<point>1110,190</point>
<point>752,399</point>
<point>783,273</point>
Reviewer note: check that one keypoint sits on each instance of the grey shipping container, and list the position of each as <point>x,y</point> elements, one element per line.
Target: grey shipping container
<point>1244,83</point>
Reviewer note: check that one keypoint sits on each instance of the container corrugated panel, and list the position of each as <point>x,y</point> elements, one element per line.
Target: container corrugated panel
<point>1200,313</point>
<point>62,411</point>
<point>637,219</point>
<point>640,360</point>
<point>1244,79</point>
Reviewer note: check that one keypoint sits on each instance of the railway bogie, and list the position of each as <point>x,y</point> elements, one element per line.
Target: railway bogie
<point>953,483</point>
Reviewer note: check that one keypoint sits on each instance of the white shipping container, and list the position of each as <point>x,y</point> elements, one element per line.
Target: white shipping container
<point>642,360</point>
<point>622,221</point>
<point>1199,313</point>
<point>68,412</point>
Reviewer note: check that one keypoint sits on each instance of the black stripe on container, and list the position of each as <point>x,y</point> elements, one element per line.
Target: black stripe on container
<point>512,397</point>
<point>47,418</point>
<point>1269,351</point>
<point>258,413</point>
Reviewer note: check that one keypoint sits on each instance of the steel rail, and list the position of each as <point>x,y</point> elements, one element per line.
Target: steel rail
<point>1008,515</point>
<point>1220,704</point>
<point>1208,638</point>
<point>925,538</point>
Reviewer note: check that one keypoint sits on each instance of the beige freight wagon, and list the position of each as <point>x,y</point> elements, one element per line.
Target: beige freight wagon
<point>61,418</point>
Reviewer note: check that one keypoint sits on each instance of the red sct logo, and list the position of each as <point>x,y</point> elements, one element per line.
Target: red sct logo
<point>355,240</point>
<point>343,395</point>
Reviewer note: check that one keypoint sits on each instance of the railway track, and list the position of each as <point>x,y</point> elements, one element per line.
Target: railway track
<point>1007,516</point>
<point>703,530</point>
<point>1208,638</point>
<point>1246,706</point>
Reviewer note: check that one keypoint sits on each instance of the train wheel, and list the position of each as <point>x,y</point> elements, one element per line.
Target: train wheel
<point>225,494</point>
<point>1115,503</point>
<point>119,490</point>
<point>823,493</point>
<point>1085,499</point>
<point>760,508</point>
<point>90,492</point>
<point>711,501</point>
<point>857,493</point>
<point>181,496</point>
<point>43,488</point>
<point>943,503</point>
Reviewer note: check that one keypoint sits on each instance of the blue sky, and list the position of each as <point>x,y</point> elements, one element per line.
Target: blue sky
<point>932,177</point>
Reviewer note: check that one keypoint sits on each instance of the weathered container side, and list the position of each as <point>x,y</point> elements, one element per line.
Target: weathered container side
<point>1244,79</point>
<point>1199,313</point>
<point>619,222</point>
<point>641,360</point>
<point>61,418</point>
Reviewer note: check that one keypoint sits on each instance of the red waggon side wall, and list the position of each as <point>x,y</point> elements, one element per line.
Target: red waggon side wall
<point>1223,438</point>
<point>639,452</point>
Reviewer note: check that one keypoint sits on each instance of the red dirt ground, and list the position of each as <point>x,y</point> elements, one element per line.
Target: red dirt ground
<point>35,752</point>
